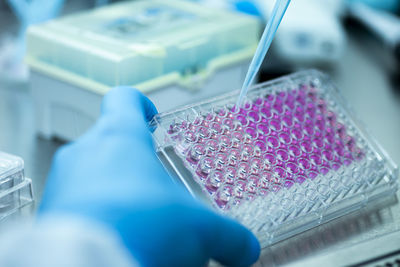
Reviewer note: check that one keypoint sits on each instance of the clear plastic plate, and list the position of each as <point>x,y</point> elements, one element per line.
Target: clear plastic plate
<point>293,157</point>
<point>13,199</point>
<point>11,171</point>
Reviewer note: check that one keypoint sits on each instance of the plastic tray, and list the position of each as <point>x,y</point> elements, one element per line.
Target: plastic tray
<point>15,198</point>
<point>147,44</point>
<point>11,171</point>
<point>176,52</point>
<point>293,157</point>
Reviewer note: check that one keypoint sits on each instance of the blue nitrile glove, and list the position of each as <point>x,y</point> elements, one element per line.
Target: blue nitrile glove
<point>247,6</point>
<point>112,175</point>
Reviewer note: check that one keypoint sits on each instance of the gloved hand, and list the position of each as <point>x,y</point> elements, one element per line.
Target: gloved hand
<point>112,175</point>
<point>248,6</point>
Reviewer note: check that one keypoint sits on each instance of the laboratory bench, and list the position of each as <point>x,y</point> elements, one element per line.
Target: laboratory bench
<point>364,77</point>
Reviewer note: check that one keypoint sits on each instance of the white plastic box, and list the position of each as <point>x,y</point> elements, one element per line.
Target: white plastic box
<point>15,189</point>
<point>174,51</point>
<point>293,157</point>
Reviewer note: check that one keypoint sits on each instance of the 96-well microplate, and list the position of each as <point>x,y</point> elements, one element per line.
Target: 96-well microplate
<point>291,157</point>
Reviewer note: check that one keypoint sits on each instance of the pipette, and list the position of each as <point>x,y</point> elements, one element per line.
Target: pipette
<point>263,46</point>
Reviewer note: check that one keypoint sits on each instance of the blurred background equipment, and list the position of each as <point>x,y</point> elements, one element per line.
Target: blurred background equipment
<point>313,34</point>
<point>384,25</point>
<point>102,2</point>
<point>12,48</point>
<point>310,35</point>
<point>13,44</point>
<point>176,52</point>
<point>388,5</point>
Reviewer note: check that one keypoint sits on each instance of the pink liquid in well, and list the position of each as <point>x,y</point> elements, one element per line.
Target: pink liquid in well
<point>271,143</point>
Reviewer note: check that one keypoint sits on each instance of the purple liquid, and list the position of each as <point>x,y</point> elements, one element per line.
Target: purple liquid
<point>271,143</point>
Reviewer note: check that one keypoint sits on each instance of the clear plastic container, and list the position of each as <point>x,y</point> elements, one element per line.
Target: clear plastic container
<point>11,200</point>
<point>134,42</point>
<point>15,190</point>
<point>11,171</point>
<point>294,157</point>
<point>176,52</point>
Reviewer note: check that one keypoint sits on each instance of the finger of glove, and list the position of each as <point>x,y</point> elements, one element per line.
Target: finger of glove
<point>230,243</point>
<point>128,103</point>
<point>248,7</point>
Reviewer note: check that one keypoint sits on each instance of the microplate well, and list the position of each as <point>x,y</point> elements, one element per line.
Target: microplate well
<point>294,156</point>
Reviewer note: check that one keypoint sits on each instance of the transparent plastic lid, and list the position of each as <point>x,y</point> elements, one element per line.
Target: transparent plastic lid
<point>136,41</point>
<point>10,166</point>
<point>294,157</point>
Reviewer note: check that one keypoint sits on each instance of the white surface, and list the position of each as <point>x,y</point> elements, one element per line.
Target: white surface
<point>356,254</point>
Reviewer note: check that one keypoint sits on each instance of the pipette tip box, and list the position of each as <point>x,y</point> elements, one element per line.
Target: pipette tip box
<point>15,190</point>
<point>293,157</point>
<point>176,52</point>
